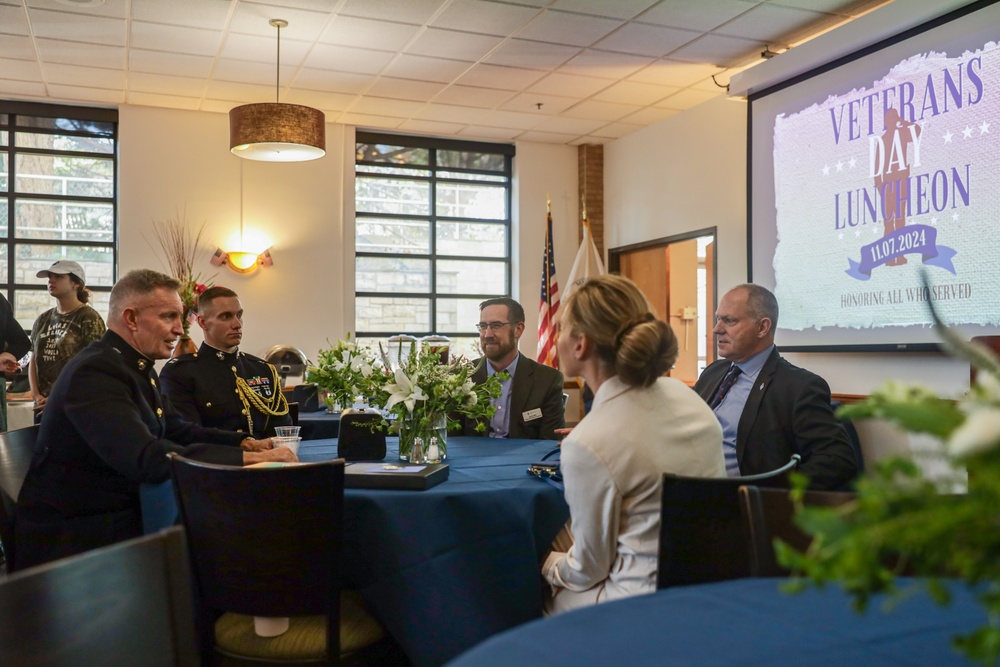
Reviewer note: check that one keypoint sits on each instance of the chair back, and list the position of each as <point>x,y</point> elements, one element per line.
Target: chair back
<point>852,435</point>
<point>701,532</point>
<point>127,604</point>
<point>769,514</point>
<point>265,541</point>
<point>16,449</point>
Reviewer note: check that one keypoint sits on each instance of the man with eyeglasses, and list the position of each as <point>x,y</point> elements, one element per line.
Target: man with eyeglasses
<point>531,403</point>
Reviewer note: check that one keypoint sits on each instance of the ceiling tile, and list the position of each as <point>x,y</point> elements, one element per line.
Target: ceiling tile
<point>254,48</point>
<point>616,9</point>
<point>347,59</point>
<point>77,27</point>
<point>649,115</point>
<point>568,28</point>
<point>243,93</point>
<point>688,98</point>
<point>494,76</point>
<point>633,92</point>
<point>569,125</point>
<point>528,103</point>
<point>431,127</point>
<point>169,38</point>
<point>500,133</point>
<point>157,62</point>
<point>769,23</point>
<point>366,33</point>
<point>646,40</point>
<point>407,11</point>
<point>451,114</point>
<point>675,73</point>
<point>14,20</point>
<point>91,95</point>
<point>616,130</point>
<point>165,101</point>
<point>422,68</point>
<point>75,53</point>
<point>592,62</point>
<point>241,71</point>
<point>850,8</point>
<point>718,50</point>
<point>18,48</point>
<point>532,55</point>
<point>191,13</point>
<point>110,79</point>
<point>113,8</point>
<point>490,18</point>
<point>452,44</point>
<point>254,19</point>
<point>370,120</point>
<point>168,85</point>
<point>405,89</point>
<point>589,140</point>
<point>569,85</point>
<point>20,70</point>
<point>695,15</point>
<point>511,119</point>
<point>546,137</point>
<point>12,88</point>
<point>332,82</point>
<point>469,96</point>
<point>606,111</point>
<point>328,102</point>
<point>381,106</point>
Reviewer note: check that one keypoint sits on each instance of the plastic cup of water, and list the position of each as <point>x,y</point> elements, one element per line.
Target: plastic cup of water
<point>287,431</point>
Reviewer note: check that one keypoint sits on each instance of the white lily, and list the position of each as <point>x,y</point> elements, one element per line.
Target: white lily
<point>403,391</point>
<point>978,433</point>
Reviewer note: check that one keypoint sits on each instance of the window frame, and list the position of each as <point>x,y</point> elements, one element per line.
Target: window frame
<point>433,145</point>
<point>13,110</point>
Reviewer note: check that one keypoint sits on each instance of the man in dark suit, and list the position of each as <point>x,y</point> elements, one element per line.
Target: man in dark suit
<point>531,405</point>
<point>221,386</point>
<point>106,429</point>
<point>768,408</point>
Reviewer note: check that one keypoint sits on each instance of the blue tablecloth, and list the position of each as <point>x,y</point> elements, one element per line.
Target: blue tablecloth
<point>737,623</point>
<point>445,568</point>
<point>319,425</point>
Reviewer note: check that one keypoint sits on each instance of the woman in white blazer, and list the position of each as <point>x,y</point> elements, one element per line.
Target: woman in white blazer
<point>641,425</point>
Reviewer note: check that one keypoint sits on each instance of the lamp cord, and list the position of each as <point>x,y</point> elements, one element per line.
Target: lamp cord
<point>277,73</point>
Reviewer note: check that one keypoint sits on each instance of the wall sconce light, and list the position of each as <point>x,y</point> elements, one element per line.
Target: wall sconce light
<point>241,261</point>
<point>276,132</point>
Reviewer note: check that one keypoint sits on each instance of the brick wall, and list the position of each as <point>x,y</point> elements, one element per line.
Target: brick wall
<point>591,184</point>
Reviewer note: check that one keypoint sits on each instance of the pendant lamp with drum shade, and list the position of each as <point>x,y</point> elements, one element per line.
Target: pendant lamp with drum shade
<point>277,132</point>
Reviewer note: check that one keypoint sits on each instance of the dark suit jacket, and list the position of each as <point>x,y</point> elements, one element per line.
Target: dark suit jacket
<point>535,386</point>
<point>787,412</point>
<point>105,430</point>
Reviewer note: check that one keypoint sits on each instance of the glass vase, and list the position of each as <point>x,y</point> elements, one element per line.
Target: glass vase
<point>425,426</point>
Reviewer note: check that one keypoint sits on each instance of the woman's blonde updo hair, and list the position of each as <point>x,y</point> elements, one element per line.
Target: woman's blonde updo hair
<point>615,316</point>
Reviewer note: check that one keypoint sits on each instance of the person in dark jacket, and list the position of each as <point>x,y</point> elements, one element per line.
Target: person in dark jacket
<point>14,344</point>
<point>220,385</point>
<point>106,429</point>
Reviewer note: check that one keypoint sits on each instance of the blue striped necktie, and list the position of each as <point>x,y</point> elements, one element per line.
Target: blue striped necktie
<point>727,384</point>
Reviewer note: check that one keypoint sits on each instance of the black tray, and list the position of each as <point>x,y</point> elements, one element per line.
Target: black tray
<point>374,475</point>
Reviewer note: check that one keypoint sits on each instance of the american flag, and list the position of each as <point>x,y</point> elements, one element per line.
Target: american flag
<point>549,303</point>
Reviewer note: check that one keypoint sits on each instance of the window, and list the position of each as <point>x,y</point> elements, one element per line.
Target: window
<point>433,235</point>
<point>58,196</point>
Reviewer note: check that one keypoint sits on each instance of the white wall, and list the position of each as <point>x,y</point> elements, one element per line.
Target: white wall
<point>179,160</point>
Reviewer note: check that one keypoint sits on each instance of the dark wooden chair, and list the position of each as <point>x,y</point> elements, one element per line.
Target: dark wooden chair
<point>769,514</point>
<point>16,450</point>
<point>701,531</point>
<point>127,604</point>
<point>266,541</point>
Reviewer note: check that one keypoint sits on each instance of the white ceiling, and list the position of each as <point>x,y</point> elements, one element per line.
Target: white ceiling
<point>556,71</point>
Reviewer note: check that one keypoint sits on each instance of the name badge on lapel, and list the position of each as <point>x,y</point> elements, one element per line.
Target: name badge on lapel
<point>531,415</point>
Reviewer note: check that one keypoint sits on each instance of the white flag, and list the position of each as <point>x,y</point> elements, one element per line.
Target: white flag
<point>587,263</point>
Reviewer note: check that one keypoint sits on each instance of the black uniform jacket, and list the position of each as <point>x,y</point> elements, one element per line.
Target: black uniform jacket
<point>105,430</point>
<point>202,388</point>
<point>788,412</point>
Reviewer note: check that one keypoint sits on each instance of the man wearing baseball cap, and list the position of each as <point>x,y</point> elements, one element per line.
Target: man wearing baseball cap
<point>61,332</point>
